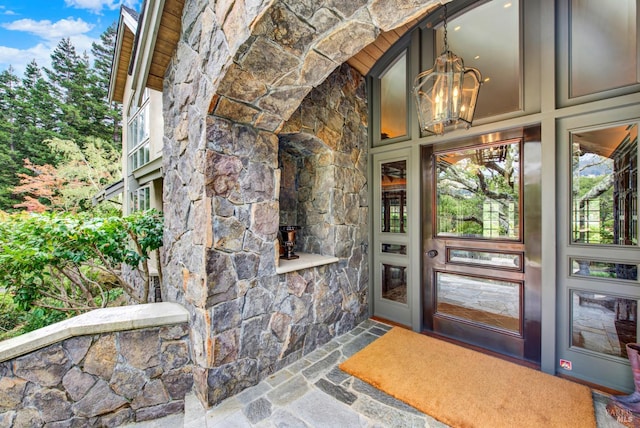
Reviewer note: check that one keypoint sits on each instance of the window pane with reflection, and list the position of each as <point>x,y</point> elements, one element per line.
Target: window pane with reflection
<point>604,270</point>
<point>485,258</point>
<point>478,192</point>
<point>393,100</point>
<point>605,186</point>
<point>603,323</point>
<point>393,183</point>
<point>492,49</point>
<point>394,283</point>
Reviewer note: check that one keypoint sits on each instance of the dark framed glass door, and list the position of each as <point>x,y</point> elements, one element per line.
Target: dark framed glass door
<point>476,284</point>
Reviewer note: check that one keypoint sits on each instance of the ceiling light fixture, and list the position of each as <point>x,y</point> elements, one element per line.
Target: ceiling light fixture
<point>446,95</point>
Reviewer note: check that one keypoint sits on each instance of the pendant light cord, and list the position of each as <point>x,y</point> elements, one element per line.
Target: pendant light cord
<point>446,43</point>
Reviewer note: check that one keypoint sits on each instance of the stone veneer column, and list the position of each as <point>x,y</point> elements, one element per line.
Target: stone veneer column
<point>239,72</point>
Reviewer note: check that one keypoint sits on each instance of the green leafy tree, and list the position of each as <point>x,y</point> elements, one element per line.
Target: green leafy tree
<point>72,184</point>
<point>73,263</point>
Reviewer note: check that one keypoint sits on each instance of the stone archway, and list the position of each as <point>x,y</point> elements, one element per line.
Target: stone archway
<point>241,69</point>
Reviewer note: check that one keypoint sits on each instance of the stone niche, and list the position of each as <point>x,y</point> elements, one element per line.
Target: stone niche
<point>307,189</point>
<point>322,155</point>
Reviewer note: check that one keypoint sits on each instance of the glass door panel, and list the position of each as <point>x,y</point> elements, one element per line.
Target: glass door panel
<point>478,192</point>
<point>490,302</point>
<point>393,183</point>
<point>394,283</point>
<point>475,282</point>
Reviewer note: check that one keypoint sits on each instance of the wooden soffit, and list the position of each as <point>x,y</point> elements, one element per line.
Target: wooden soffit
<point>122,67</point>
<point>166,41</point>
<point>370,54</point>
<point>127,26</point>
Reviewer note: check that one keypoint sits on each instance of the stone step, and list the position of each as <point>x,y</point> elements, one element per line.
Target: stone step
<point>194,412</point>
<point>172,421</point>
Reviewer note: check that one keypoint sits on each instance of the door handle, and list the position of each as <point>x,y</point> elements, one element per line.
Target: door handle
<point>432,253</point>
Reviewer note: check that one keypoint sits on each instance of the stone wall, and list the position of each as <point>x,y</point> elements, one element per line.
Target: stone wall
<point>98,380</point>
<point>247,320</point>
<point>240,71</point>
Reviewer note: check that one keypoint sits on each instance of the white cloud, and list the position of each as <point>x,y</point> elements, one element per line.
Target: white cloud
<point>19,58</point>
<point>94,6</point>
<point>5,11</point>
<point>50,30</point>
<point>50,33</point>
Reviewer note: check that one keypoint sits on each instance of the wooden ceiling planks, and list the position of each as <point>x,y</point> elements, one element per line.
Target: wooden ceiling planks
<point>370,54</point>
<point>122,68</point>
<point>166,42</point>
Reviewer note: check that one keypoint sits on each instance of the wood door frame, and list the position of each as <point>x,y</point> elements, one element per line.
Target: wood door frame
<point>530,347</point>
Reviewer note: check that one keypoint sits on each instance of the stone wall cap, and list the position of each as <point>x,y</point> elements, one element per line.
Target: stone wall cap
<point>104,320</point>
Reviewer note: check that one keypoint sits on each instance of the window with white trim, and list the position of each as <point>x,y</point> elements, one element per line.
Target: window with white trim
<point>141,199</point>
<point>138,134</point>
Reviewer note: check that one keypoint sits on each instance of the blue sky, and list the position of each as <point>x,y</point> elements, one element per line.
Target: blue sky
<point>31,29</point>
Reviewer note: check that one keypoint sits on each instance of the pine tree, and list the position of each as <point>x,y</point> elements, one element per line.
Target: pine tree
<point>9,157</point>
<point>9,83</point>
<point>66,78</point>
<point>36,118</point>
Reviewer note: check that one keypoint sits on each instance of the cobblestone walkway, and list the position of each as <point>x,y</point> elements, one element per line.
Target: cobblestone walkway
<point>315,393</point>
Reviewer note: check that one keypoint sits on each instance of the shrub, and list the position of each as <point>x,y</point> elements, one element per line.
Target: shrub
<point>72,262</point>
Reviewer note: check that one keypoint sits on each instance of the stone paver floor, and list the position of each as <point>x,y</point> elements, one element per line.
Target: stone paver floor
<point>314,392</point>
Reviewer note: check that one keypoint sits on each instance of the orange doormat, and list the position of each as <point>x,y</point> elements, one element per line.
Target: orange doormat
<point>465,388</point>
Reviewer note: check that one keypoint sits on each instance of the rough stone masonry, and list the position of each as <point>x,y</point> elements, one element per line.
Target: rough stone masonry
<point>247,78</point>
<point>98,380</point>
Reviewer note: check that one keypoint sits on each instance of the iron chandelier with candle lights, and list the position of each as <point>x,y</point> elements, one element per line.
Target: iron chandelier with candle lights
<point>446,95</point>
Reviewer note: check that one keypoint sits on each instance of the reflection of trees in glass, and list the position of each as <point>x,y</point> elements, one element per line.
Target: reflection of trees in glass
<point>478,192</point>
<point>592,196</point>
<point>604,186</point>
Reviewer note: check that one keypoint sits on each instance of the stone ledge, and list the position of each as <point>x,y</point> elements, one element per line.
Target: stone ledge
<point>305,261</point>
<point>97,321</point>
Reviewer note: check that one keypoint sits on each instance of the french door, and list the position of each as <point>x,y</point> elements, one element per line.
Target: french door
<point>480,228</point>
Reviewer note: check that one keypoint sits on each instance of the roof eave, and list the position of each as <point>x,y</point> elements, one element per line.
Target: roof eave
<point>152,15</point>
<point>126,22</point>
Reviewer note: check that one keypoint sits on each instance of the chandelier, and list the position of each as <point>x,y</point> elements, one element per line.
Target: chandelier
<point>446,95</point>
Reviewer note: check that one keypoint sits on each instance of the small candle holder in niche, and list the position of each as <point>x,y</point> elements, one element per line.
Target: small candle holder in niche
<point>288,242</point>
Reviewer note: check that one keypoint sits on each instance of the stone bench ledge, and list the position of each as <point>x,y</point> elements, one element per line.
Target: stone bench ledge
<point>97,321</point>
<point>305,261</point>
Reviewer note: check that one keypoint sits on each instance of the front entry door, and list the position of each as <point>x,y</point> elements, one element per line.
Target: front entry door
<point>480,277</point>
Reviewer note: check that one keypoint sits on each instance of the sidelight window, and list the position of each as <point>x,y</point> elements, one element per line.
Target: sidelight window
<point>604,186</point>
